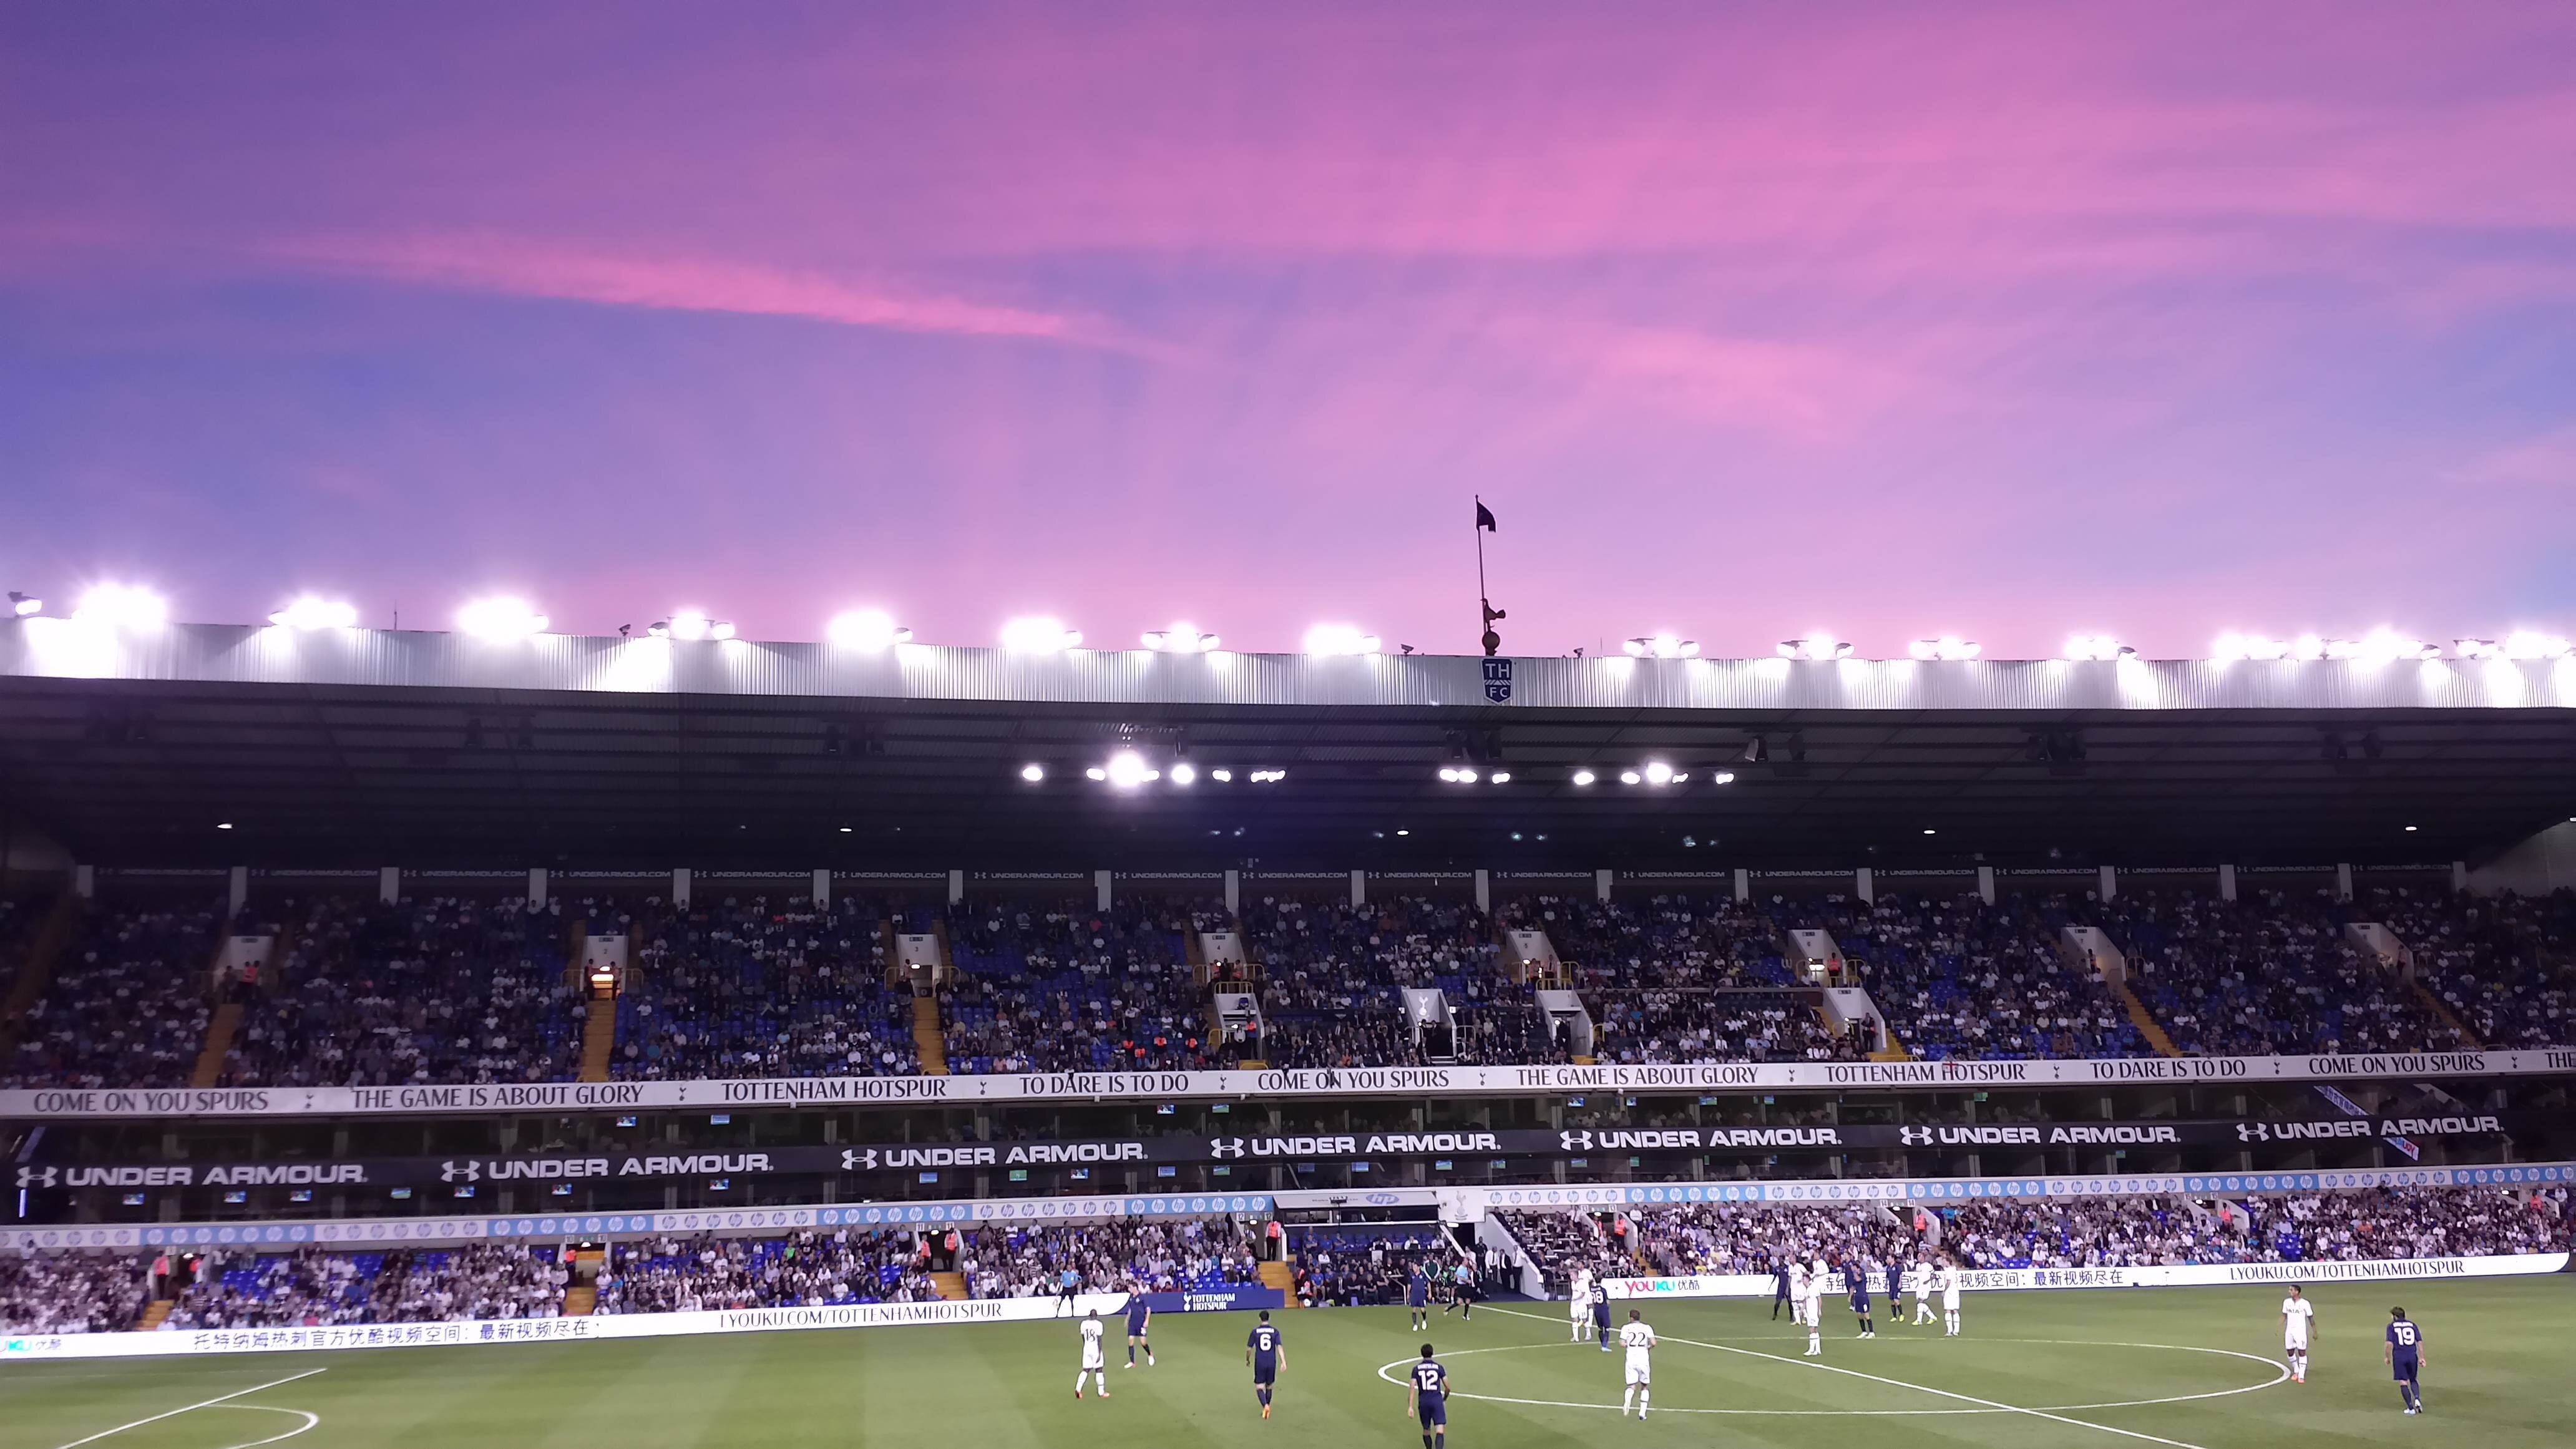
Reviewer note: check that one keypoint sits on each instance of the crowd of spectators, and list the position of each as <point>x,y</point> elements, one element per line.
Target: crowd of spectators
<point>2498,962</point>
<point>1354,1267</point>
<point>1333,977</point>
<point>71,1292</point>
<point>1663,941</point>
<point>127,1005</point>
<point>316,1287</point>
<point>434,990</point>
<point>1198,1254</point>
<point>1678,1024</point>
<point>756,988</point>
<point>2358,1225</point>
<point>1064,986</point>
<point>1955,977</point>
<point>674,1275</point>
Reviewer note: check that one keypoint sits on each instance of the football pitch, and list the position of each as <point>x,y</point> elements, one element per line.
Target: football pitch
<point>2174,1367</point>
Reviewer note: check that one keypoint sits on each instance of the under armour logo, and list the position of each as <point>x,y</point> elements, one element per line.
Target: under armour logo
<point>38,1176</point>
<point>469,1169</point>
<point>1575,1141</point>
<point>1226,1147</point>
<point>2253,1132</point>
<point>1915,1136</point>
<point>857,1159</point>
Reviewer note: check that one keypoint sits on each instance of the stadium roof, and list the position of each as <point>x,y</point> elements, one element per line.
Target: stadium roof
<point>353,747</point>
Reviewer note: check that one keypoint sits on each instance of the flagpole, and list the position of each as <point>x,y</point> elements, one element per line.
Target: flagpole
<point>1481,596</point>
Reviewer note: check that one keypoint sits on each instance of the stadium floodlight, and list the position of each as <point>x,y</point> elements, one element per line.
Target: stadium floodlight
<point>1722,777</point>
<point>2477,649</point>
<point>1127,770</point>
<point>2096,646</point>
<point>312,613</point>
<point>1221,776</point>
<point>1267,777</point>
<point>1185,773</point>
<point>2308,647</point>
<point>1095,773</point>
<point>1039,635</point>
<point>2249,646</point>
<point>1661,645</point>
<point>1179,639</point>
<point>25,606</point>
<point>1499,777</point>
<point>1330,640</point>
<point>2527,644</point>
<point>1583,777</point>
<point>500,617</point>
<point>690,624</point>
<point>123,606</point>
<point>866,629</point>
<point>1033,772</point>
<point>1657,773</point>
<point>2381,646</point>
<point>1948,647</point>
<point>1449,774</point>
<point>1630,777</point>
<point>1818,645</point>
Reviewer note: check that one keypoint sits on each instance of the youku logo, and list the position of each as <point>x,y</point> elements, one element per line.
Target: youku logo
<point>470,1170</point>
<point>38,1176</point>
<point>1915,1136</point>
<point>1575,1141</point>
<point>858,1159</point>
<point>2253,1132</point>
<point>1226,1147</point>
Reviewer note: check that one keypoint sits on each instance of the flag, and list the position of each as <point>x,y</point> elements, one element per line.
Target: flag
<point>1485,518</point>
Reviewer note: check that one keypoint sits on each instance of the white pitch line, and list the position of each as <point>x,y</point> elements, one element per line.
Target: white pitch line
<point>1944,1393</point>
<point>192,1408</point>
<point>311,1420</point>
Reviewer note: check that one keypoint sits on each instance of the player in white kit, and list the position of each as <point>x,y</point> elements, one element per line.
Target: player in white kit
<point>1639,1340</point>
<point>2297,1313</point>
<point>1918,1286</point>
<point>1811,1307</point>
<point>1095,1355</point>
<point>1946,1277</point>
<point>1580,1308</point>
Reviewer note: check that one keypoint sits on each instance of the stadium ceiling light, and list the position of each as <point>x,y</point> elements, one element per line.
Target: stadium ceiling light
<point>866,629</point>
<point>1268,777</point>
<point>223,825</point>
<point>1499,777</point>
<point>1127,769</point>
<point>1449,774</point>
<point>312,613</point>
<point>25,606</point>
<point>1179,639</point>
<point>1583,777</point>
<point>1948,647</point>
<point>1819,645</point>
<point>2410,829</point>
<point>1630,777</point>
<point>122,606</point>
<point>1664,645</point>
<point>1722,777</point>
<point>1330,640</point>
<point>1095,773</point>
<point>1930,831</point>
<point>1657,773</point>
<point>1185,773</point>
<point>1039,635</point>
<point>2096,646</point>
<point>500,617</point>
<point>1222,776</point>
<point>2525,644</point>
<point>2233,646</point>
<point>1033,772</point>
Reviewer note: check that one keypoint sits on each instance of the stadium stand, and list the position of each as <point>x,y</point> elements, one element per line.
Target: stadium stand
<point>1062,985</point>
<point>755,988</point>
<point>126,1007</point>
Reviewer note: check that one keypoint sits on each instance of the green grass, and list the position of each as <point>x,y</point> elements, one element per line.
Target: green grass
<point>2501,1374</point>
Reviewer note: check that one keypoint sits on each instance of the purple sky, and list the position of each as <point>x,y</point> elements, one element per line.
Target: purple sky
<point>1745,319</point>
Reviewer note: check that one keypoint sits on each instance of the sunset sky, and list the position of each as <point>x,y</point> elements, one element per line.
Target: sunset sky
<point>2006,322</point>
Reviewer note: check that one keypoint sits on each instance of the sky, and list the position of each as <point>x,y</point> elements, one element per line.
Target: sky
<point>1747,320</point>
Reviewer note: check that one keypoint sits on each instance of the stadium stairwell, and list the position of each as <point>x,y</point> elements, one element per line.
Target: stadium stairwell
<point>219,1043</point>
<point>926,1037</point>
<point>2442,1013</point>
<point>153,1313</point>
<point>1279,1275</point>
<point>581,1296</point>
<point>2144,1020</point>
<point>598,1038</point>
<point>2091,949</point>
<point>951,1286</point>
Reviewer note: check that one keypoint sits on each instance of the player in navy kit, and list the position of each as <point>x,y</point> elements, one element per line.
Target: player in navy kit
<point>1428,1396</point>
<point>1857,1270</point>
<point>1895,1287</point>
<point>1601,1313</point>
<point>2405,1353</point>
<point>1780,1290</point>
<point>1417,1296</point>
<point>1138,1315</point>
<point>1262,1349</point>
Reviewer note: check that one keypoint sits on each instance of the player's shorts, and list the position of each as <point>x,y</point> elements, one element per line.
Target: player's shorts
<point>2403,1370</point>
<point>1417,1300</point>
<point>1433,1411</point>
<point>1135,1330</point>
<point>1637,1373</point>
<point>2295,1343</point>
<point>1950,1303</point>
<point>1265,1373</point>
<point>1094,1361</point>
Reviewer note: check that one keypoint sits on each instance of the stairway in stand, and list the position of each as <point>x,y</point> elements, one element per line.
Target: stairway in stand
<point>581,1297</point>
<point>219,1042</point>
<point>598,1038</point>
<point>1895,1052</point>
<point>153,1313</point>
<point>951,1286</point>
<point>2442,1012</point>
<point>2143,1020</point>
<point>925,1035</point>
<point>1282,1276</point>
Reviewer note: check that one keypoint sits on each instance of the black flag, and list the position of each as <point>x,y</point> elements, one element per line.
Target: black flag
<point>1485,519</point>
